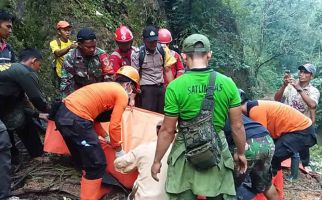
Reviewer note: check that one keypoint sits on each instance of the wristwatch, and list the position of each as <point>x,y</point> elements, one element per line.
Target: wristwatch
<point>299,90</point>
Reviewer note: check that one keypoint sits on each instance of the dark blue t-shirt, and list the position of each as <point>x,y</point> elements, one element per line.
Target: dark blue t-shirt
<point>253,130</point>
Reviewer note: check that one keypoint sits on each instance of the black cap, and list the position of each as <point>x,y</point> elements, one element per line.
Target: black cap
<point>86,34</point>
<point>150,33</point>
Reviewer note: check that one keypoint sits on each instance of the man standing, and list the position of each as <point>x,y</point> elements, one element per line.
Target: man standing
<point>291,129</point>
<point>85,64</point>
<point>75,119</point>
<point>184,97</point>
<point>19,84</point>
<point>149,61</point>
<point>61,45</point>
<point>302,96</point>
<point>6,52</point>
<point>122,55</point>
<point>259,152</point>
<point>177,68</point>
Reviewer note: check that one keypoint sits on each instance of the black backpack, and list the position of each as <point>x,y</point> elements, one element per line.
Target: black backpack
<point>142,52</point>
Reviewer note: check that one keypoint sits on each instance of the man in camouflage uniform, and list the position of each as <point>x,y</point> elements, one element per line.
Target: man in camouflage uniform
<point>259,152</point>
<point>85,65</point>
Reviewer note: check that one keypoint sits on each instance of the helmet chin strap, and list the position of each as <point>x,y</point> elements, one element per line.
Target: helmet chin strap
<point>127,85</point>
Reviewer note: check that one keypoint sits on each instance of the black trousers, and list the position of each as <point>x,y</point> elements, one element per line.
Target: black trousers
<point>5,162</point>
<point>29,136</point>
<point>291,143</point>
<point>305,156</point>
<point>24,127</point>
<point>152,98</point>
<point>82,142</point>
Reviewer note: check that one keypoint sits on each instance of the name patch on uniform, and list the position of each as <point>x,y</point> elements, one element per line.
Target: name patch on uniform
<point>197,89</point>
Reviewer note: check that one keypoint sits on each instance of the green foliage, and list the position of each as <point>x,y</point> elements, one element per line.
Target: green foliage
<point>36,20</point>
<point>266,87</point>
<point>279,35</point>
<point>212,18</point>
<point>317,82</point>
<point>316,156</point>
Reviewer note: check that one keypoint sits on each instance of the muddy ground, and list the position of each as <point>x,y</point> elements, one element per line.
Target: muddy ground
<point>58,179</point>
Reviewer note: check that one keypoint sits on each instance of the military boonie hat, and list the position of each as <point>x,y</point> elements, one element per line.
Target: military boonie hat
<point>190,42</point>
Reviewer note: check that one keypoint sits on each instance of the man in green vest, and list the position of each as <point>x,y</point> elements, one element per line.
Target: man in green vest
<point>183,102</point>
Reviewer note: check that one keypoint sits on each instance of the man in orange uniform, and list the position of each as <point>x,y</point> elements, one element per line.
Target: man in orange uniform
<point>291,130</point>
<point>165,38</point>
<point>75,119</point>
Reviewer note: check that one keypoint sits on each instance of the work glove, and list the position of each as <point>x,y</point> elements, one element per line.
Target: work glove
<point>107,138</point>
<point>119,153</point>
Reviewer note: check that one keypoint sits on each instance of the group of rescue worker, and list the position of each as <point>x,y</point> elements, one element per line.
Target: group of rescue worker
<point>218,137</point>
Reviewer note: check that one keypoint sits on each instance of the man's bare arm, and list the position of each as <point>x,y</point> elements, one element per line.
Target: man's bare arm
<point>165,138</point>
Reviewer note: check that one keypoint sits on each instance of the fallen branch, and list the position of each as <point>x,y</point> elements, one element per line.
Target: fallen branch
<point>301,189</point>
<point>24,176</point>
<point>21,192</point>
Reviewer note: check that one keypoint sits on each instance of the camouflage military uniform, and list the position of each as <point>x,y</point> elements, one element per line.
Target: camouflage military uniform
<point>259,152</point>
<point>78,71</point>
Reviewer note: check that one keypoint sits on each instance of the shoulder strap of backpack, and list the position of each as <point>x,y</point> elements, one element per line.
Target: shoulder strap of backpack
<point>161,51</point>
<point>141,55</point>
<point>208,102</point>
<point>142,52</point>
<point>58,42</point>
<point>141,58</point>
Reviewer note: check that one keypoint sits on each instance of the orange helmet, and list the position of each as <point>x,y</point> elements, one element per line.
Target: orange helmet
<point>131,73</point>
<point>123,34</point>
<point>165,36</point>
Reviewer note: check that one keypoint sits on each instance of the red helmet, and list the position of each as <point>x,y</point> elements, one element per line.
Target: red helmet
<point>164,36</point>
<point>123,34</point>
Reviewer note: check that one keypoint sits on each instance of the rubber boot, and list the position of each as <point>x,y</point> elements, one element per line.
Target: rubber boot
<point>90,189</point>
<point>104,191</point>
<point>295,163</point>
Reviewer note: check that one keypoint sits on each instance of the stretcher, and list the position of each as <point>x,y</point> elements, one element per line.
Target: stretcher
<point>278,183</point>
<point>138,127</point>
